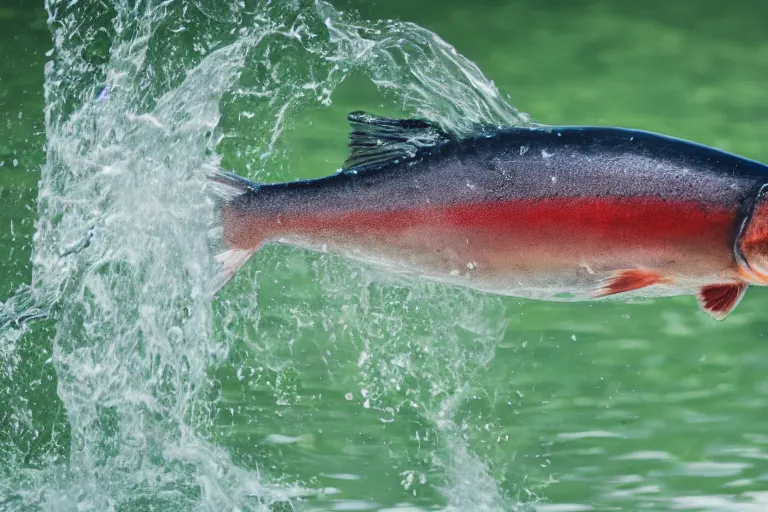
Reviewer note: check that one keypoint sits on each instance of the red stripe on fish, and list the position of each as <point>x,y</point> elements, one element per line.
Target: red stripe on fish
<point>632,220</point>
<point>517,240</point>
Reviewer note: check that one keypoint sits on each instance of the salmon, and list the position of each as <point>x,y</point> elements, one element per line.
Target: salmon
<point>542,212</point>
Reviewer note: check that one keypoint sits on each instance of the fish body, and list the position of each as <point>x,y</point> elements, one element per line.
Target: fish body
<point>557,213</point>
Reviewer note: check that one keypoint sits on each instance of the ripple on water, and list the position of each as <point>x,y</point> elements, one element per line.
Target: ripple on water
<point>747,502</point>
<point>713,469</point>
<point>570,436</point>
<point>646,455</point>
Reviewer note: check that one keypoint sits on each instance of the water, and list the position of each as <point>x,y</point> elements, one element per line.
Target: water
<point>311,383</point>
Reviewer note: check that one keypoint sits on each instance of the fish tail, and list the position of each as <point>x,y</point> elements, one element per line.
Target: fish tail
<point>226,186</point>
<point>237,234</point>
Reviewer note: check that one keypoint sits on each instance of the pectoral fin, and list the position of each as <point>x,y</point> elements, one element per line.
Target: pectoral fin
<point>629,280</point>
<point>718,300</point>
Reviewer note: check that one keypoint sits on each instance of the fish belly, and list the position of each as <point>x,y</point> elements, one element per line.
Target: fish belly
<point>566,248</point>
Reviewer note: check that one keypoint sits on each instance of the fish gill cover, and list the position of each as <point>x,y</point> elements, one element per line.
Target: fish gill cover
<point>154,394</point>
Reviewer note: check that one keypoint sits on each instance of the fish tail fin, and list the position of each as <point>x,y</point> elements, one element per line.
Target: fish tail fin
<point>226,186</point>
<point>236,234</point>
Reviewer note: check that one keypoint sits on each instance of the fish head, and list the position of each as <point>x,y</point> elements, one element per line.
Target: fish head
<point>752,242</point>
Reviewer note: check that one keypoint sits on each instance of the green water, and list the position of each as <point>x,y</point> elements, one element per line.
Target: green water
<point>390,394</point>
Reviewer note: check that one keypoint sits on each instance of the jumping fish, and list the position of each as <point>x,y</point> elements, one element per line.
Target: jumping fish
<point>543,212</point>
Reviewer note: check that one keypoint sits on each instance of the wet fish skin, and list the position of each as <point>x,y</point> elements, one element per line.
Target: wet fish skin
<point>564,213</point>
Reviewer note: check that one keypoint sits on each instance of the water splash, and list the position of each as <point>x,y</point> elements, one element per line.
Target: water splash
<point>422,71</point>
<point>123,257</point>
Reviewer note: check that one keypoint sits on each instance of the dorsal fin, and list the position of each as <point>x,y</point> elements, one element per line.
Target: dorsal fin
<point>377,141</point>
